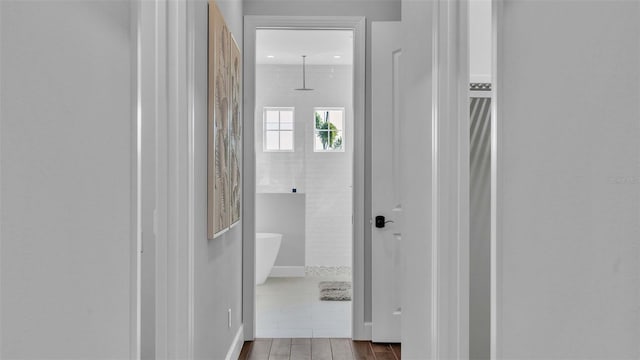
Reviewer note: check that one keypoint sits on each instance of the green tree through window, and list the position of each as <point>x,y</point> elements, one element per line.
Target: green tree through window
<point>328,129</point>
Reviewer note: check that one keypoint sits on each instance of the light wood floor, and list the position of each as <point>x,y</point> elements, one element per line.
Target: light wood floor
<point>318,349</point>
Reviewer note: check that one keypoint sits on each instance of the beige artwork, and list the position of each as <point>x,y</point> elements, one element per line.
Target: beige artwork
<point>235,149</point>
<point>218,131</point>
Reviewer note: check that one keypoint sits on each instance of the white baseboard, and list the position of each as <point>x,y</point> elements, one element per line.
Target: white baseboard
<point>236,346</point>
<point>287,271</point>
<point>368,331</point>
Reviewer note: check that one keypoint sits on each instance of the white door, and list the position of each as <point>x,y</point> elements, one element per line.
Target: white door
<point>385,241</point>
<point>567,245</point>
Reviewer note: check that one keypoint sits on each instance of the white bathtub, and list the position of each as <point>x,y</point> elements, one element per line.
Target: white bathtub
<point>267,248</point>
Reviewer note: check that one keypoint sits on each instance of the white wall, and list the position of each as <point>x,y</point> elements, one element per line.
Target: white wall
<point>67,179</point>
<point>148,96</point>
<point>480,41</point>
<point>325,178</point>
<point>218,262</point>
<point>569,192</point>
<point>373,9</point>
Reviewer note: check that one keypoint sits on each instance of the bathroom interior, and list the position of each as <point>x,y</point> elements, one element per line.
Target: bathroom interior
<point>304,187</point>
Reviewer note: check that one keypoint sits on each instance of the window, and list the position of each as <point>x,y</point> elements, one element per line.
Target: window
<point>329,129</point>
<point>278,129</point>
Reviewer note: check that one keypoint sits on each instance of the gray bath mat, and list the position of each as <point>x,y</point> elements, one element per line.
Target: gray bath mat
<point>335,290</point>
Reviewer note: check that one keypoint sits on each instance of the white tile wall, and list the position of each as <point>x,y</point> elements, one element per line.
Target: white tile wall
<point>326,178</point>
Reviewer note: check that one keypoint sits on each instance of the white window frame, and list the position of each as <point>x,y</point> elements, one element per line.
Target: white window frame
<point>264,128</point>
<point>343,131</point>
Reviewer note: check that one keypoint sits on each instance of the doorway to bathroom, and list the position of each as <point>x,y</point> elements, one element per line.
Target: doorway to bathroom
<point>304,156</point>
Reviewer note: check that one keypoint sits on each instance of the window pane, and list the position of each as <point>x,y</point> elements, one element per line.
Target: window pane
<point>337,142</point>
<point>272,141</point>
<point>271,126</point>
<point>286,140</point>
<point>319,120</point>
<point>335,117</point>
<point>321,140</point>
<point>286,116</point>
<point>271,121</point>
<point>286,120</point>
<point>272,116</point>
<point>286,126</point>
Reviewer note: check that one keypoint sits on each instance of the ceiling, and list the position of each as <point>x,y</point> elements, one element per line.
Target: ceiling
<point>322,47</point>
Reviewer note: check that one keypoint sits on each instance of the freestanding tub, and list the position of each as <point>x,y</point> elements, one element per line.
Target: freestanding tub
<point>267,247</point>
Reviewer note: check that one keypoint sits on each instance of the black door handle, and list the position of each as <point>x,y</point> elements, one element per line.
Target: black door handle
<point>380,221</point>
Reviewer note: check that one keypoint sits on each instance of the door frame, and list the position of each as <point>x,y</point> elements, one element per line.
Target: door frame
<point>450,160</point>
<point>360,329</point>
<point>496,176</point>
<point>167,108</point>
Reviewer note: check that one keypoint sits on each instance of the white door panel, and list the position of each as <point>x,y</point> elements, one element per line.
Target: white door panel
<point>386,265</point>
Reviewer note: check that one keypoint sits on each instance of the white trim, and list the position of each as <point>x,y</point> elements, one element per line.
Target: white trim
<point>174,59</point>
<point>287,271</point>
<point>463,185</point>
<point>496,178</point>
<point>136,183</point>
<point>159,87</point>
<point>149,111</point>
<point>1,307</point>
<point>236,345</point>
<point>357,24</point>
<point>450,192</point>
<point>435,135</point>
<point>191,173</point>
<point>249,183</point>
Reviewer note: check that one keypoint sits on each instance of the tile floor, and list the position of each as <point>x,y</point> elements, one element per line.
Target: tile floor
<point>290,308</point>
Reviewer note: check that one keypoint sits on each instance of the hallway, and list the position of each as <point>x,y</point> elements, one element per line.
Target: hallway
<point>319,349</point>
<point>490,206</point>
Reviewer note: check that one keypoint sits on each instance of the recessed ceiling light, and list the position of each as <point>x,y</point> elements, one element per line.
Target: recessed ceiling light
<point>270,56</point>
<point>337,56</point>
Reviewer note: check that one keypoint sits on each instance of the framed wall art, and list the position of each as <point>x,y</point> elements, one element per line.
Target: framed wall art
<point>224,138</point>
<point>235,138</point>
